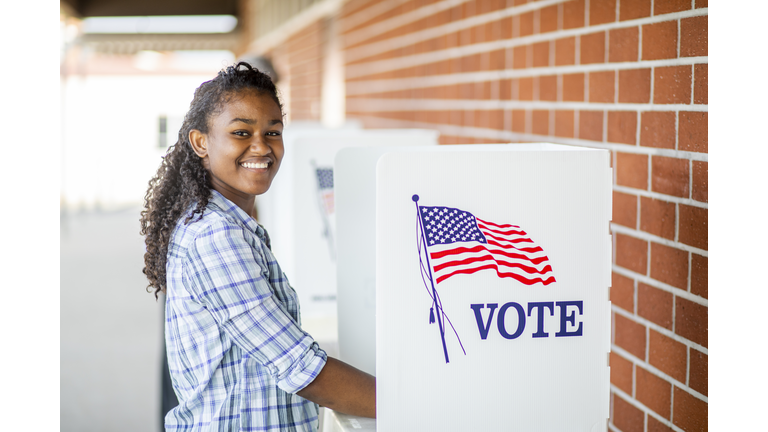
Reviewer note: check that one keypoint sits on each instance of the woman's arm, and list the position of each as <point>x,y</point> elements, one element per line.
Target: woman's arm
<point>343,388</point>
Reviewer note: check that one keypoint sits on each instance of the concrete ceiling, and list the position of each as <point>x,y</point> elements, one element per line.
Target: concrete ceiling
<point>96,8</point>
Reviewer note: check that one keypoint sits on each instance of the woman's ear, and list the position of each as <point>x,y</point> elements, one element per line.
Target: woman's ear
<point>198,141</point>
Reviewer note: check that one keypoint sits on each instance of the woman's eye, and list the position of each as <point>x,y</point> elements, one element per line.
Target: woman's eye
<point>240,133</point>
<point>274,133</point>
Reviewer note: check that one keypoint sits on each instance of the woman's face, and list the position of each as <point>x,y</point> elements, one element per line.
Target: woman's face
<point>243,147</point>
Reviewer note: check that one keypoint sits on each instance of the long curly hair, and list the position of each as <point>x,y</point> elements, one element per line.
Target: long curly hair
<point>181,181</point>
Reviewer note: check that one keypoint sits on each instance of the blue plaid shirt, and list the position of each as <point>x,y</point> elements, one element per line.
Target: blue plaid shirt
<point>236,351</point>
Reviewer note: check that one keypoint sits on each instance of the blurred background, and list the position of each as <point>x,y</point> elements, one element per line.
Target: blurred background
<point>629,76</point>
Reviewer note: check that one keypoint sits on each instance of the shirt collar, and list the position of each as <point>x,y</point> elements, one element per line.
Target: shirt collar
<point>233,210</point>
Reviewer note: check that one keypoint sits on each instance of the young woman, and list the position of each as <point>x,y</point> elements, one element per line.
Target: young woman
<point>237,355</point>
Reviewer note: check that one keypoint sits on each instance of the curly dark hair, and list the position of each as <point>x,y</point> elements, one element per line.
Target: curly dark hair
<point>181,180</point>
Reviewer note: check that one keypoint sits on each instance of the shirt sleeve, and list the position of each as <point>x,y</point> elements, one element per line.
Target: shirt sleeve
<point>229,277</point>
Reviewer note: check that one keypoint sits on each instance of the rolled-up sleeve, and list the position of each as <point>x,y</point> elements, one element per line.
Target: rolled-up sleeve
<point>229,277</point>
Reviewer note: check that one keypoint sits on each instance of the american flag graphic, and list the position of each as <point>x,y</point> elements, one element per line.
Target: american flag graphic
<point>460,243</point>
<point>325,188</point>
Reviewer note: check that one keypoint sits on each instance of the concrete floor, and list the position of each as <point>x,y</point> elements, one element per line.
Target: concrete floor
<point>111,328</point>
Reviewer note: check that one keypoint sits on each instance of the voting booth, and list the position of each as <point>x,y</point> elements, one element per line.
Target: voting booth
<point>299,211</point>
<point>487,270</point>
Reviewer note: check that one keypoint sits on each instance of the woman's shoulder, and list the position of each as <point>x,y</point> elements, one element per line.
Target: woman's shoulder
<point>192,226</point>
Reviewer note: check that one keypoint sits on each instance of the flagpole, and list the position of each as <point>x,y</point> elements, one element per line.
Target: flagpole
<point>431,278</point>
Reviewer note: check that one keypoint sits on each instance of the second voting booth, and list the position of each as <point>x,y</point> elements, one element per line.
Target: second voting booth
<point>473,282</point>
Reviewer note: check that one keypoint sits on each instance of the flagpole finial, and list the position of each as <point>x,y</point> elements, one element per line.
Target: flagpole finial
<point>415,198</point>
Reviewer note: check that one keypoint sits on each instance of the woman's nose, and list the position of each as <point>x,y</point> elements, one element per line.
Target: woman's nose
<point>260,146</point>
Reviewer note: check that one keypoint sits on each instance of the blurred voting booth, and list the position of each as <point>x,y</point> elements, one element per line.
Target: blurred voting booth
<point>473,282</point>
<point>298,211</point>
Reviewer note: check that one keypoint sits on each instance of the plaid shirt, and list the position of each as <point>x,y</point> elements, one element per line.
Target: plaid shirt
<point>236,351</point>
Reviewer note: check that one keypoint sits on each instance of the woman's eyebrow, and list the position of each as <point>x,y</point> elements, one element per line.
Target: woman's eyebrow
<point>251,121</point>
<point>244,120</point>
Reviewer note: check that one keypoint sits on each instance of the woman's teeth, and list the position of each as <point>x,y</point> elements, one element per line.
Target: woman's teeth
<point>255,165</point>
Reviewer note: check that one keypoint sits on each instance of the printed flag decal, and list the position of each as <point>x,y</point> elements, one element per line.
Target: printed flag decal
<point>325,200</point>
<point>457,242</point>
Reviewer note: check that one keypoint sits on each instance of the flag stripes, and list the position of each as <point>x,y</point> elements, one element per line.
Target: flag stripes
<point>460,243</point>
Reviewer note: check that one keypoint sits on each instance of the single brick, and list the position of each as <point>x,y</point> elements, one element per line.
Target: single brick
<point>505,89</point>
<point>630,336</point>
<point>657,129</point>
<point>621,372</point>
<point>525,89</point>
<point>623,44</point>
<point>526,24</point>
<point>632,170</point>
<point>670,176</point>
<point>669,265</point>
<point>469,118</point>
<point>541,54</point>
<point>668,355</point>
<point>699,275</point>
<point>541,122</point>
<point>573,14</point>
<point>672,85</point>
<point>498,59</point>
<point>660,40</point>
<point>591,125</point>
<point>565,51</point>
<point>702,3</point>
<point>633,9</point>
<point>548,88</point>
<point>564,124</point>
<point>601,87</point>
<point>601,12</point>
<point>592,48</point>
<point>693,226</point>
<point>661,7</point>
<point>520,57</point>
<point>493,119</point>
<point>635,86</point>
<point>693,132</point>
<point>700,84</point>
<point>622,127</point>
<point>625,209</point>
<point>626,417</point>
<point>691,414</point>
<point>631,253</point>
<point>505,25</point>
<point>691,321</point>
<point>573,87</point>
<point>547,19</point>
<point>490,6</point>
<point>654,305</point>
<point>482,33</point>
<point>657,426</point>
<point>657,217</point>
<point>623,292</point>
<point>518,121</point>
<point>653,392</point>
<point>697,378</point>
<point>693,36</point>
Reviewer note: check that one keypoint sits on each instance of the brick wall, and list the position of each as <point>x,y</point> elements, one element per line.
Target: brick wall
<point>298,62</point>
<point>629,76</point>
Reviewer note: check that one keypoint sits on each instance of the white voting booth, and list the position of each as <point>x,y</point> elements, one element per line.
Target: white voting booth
<point>487,267</point>
<point>298,211</point>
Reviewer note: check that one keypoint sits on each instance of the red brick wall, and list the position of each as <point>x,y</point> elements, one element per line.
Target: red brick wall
<point>299,62</point>
<point>629,76</point>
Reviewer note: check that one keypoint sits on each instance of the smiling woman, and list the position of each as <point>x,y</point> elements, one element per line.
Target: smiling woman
<point>237,354</point>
